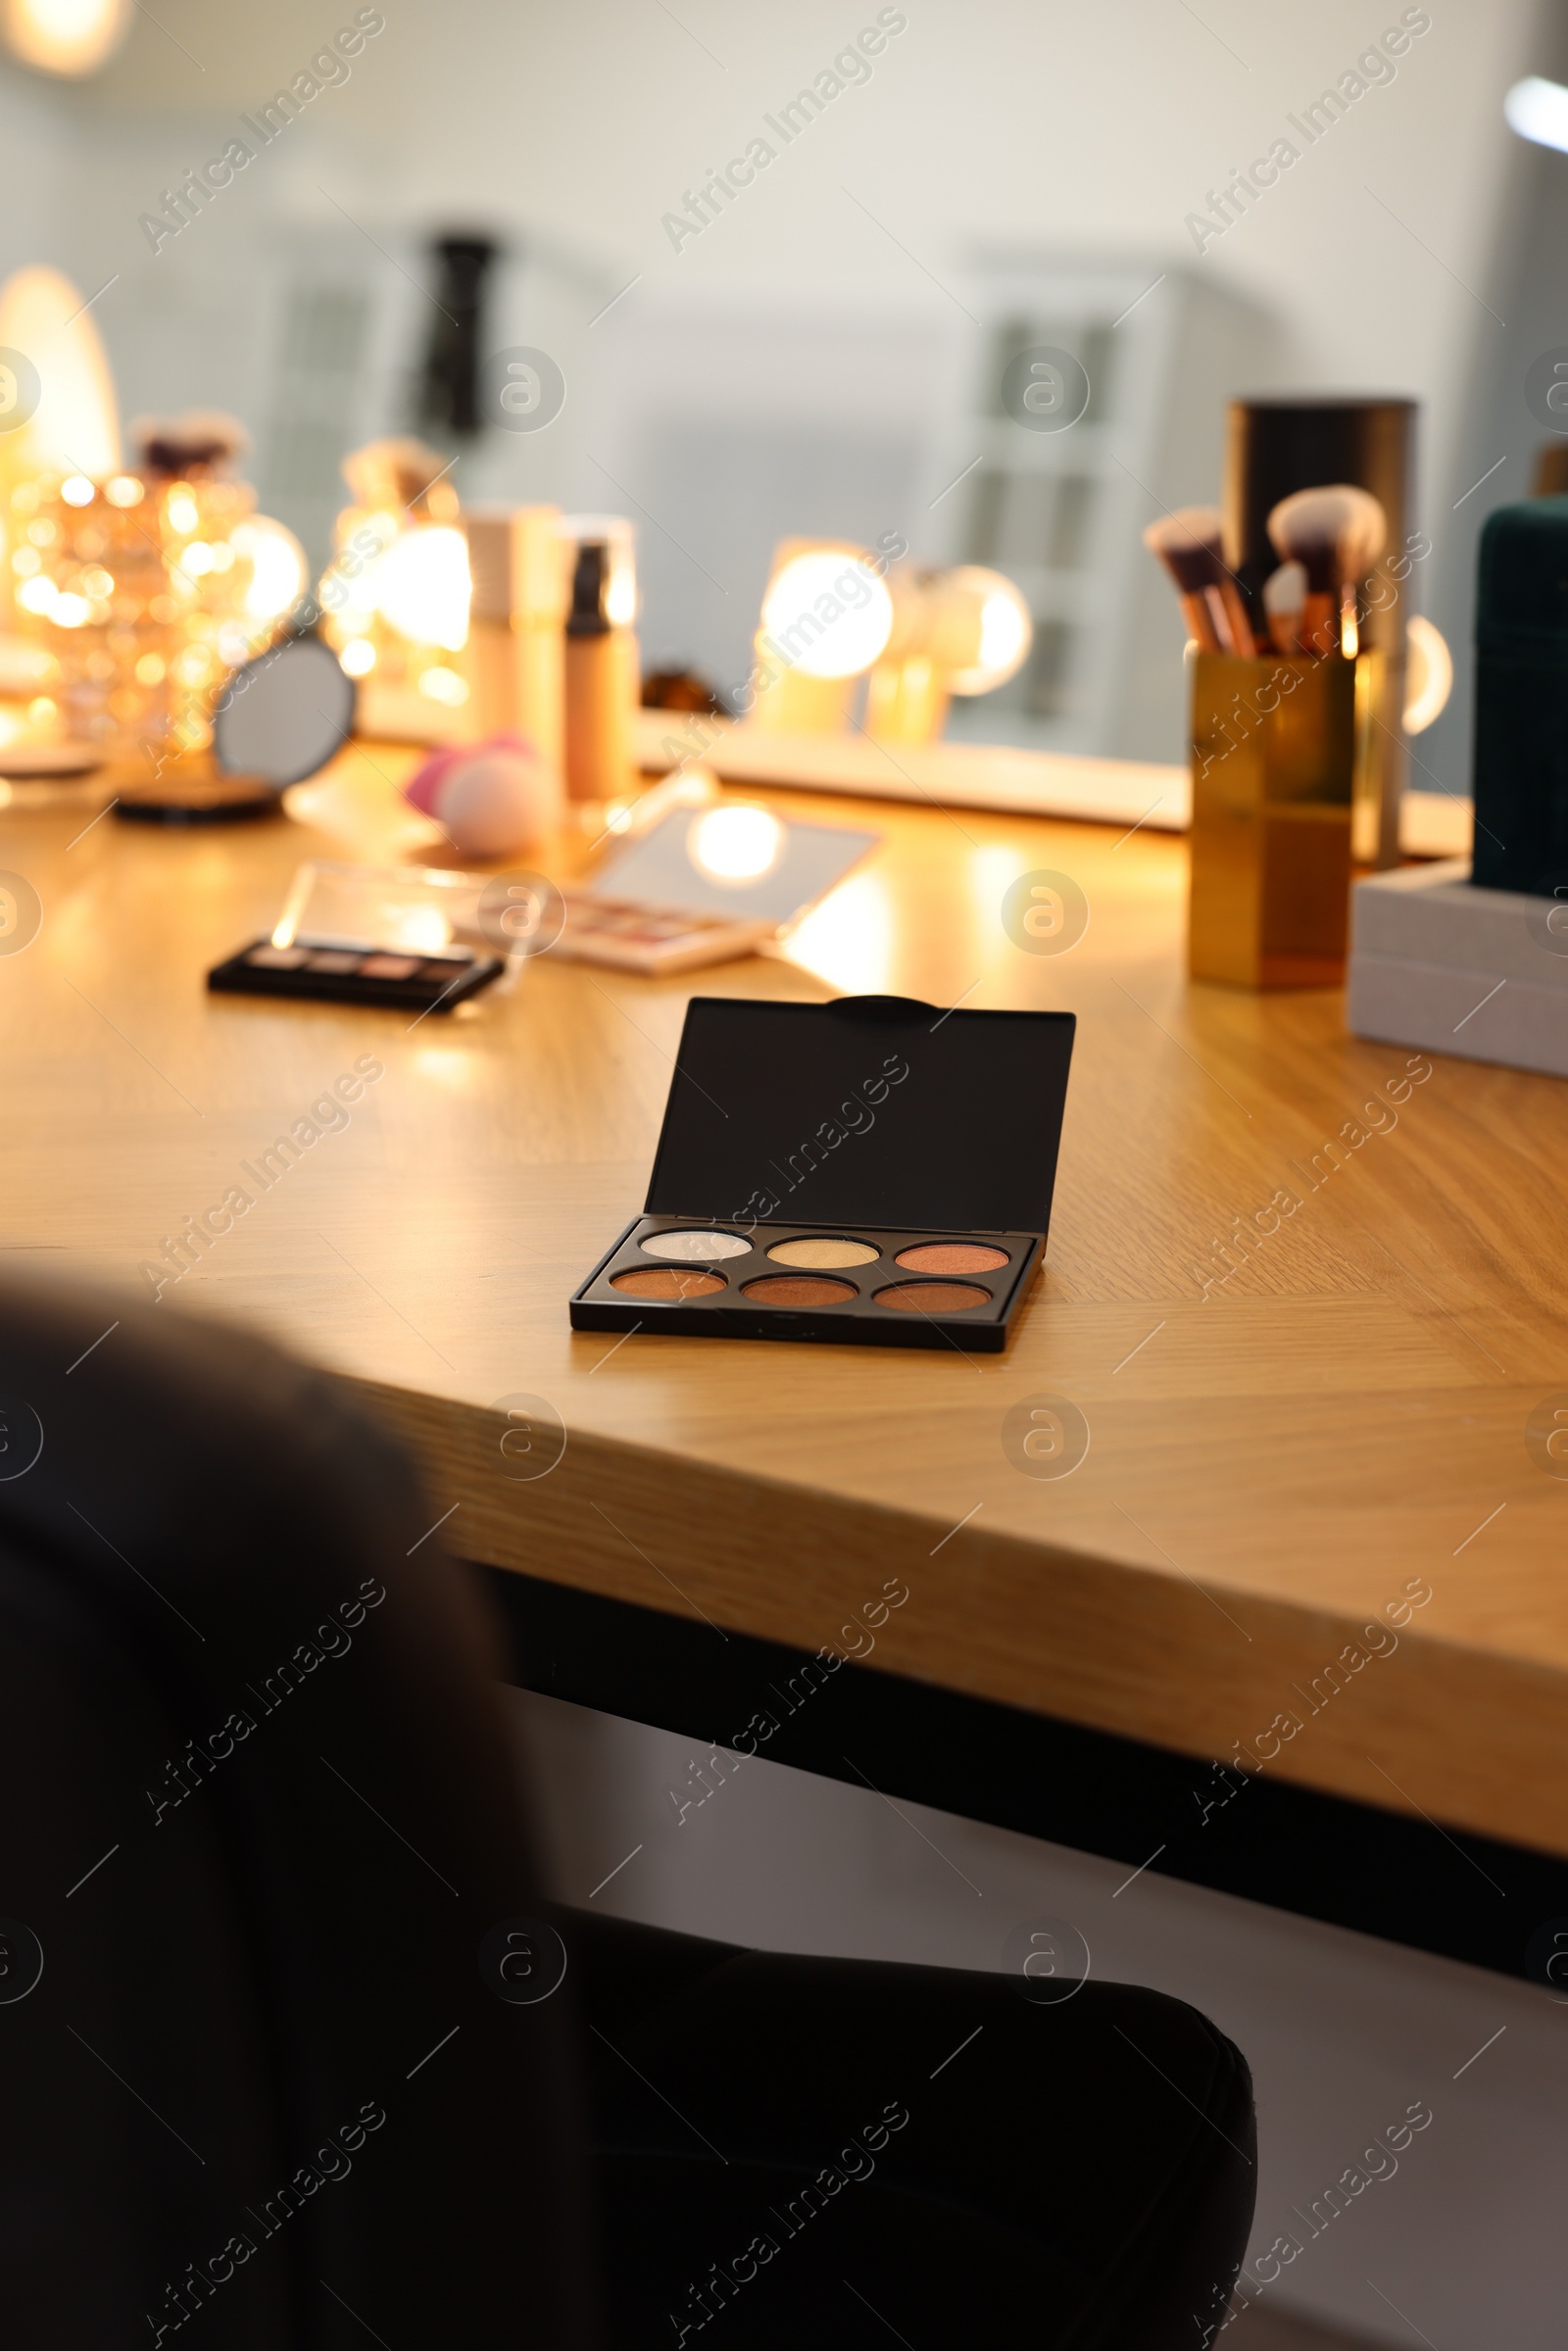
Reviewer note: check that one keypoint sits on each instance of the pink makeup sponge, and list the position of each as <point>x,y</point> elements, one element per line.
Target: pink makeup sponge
<point>492,798</point>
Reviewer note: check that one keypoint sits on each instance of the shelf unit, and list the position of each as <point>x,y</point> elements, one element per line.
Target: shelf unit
<point>1062,512</point>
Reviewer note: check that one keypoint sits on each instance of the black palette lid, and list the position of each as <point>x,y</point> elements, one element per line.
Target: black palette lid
<point>870,1110</point>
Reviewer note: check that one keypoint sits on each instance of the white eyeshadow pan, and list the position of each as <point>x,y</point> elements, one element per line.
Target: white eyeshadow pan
<point>695,1249</point>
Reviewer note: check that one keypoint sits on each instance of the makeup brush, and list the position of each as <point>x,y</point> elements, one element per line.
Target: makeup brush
<point>1336,534</point>
<point>1188,544</point>
<point>1284,594</point>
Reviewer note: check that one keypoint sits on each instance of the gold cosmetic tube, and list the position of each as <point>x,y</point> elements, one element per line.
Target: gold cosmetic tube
<point>517,650</point>
<point>601,697</point>
<point>1281,756</point>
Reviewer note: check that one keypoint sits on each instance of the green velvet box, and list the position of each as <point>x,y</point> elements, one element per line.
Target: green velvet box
<point>1521,738</point>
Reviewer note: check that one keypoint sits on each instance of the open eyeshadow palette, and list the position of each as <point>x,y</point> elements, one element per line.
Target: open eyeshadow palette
<point>358,974</point>
<point>371,935</point>
<point>873,1172</point>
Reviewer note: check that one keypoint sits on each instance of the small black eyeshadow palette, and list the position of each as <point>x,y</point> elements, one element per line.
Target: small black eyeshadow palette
<point>347,974</point>
<point>872,1172</point>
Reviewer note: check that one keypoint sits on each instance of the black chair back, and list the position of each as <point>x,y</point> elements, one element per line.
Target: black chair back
<point>261,2074</point>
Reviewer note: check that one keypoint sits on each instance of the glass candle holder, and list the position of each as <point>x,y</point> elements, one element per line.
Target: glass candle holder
<point>136,593</point>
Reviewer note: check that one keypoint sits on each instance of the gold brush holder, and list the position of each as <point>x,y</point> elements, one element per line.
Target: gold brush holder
<point>1283,763</point>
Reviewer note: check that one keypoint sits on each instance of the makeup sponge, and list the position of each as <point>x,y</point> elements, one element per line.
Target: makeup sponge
<point>491,798</point>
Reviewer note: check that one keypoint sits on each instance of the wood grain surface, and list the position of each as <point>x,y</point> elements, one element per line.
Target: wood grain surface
<point>1279,1453</point>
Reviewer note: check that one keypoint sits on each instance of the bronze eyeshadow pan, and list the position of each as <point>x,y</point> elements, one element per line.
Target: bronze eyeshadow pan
<point>799,1290</point>
<point>933,1298</point>
<point>869,1172</point>
<point>667,1282</point>
<point>952,1256</point>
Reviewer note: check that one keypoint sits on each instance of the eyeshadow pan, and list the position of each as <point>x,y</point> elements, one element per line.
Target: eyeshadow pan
<point>933,1298</point>
<point>818,1250</point>
<point>333,960</point>
<point>952,1256</point>
<point>389,967</point>
<point>667,1283</point>
<point>278,959</point>
<point>696,1247</point>
<point>798,1290</point>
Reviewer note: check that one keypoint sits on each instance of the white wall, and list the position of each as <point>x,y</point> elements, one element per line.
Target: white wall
<point>998,121</point>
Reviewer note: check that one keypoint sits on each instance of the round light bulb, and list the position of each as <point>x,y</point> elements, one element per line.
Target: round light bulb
<point>828,612</point>
<point>735,844</point>
<point>422,586</point>
<point>1430,677</point>
<point>277,566</point>
<point>1005,631</point>
<point>65,36</point>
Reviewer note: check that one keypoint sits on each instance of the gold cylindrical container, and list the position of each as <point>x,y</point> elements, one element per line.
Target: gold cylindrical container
<point>1274,447</point>
<point>1281,749</point>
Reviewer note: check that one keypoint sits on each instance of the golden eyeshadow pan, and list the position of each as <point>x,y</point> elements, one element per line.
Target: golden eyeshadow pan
<point>867,1172</point>
<point>933,1298</point>
<point>669,1282</point>
<point>356,975</point>
<point>952,1256</point>
<point>823,1252</point>
<point>799,1290</point>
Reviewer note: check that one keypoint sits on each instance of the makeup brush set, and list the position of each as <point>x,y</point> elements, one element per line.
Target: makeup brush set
<point>1297,682</point>
<point>1327,540</point>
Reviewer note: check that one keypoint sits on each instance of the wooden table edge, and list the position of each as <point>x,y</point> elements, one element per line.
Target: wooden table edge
<point>1114,1647</point>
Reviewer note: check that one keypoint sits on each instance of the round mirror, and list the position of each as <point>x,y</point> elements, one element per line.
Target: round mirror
<point>282,715</point>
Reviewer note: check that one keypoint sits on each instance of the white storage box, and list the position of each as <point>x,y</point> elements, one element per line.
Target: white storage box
<point>1453,969</point>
